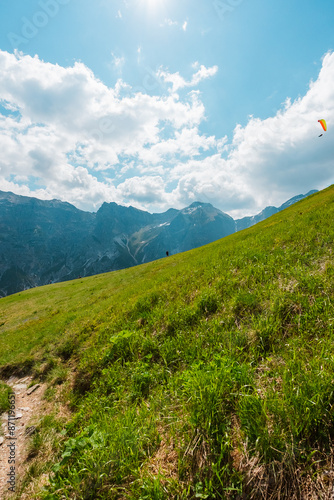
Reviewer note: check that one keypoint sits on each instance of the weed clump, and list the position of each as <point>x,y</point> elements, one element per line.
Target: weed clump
<point>5,391</point>
<point>208,303</point>
<point>246,304</point>
<point>68,348</point>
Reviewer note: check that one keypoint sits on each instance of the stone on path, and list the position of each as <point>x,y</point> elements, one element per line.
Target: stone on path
<point>32,389</point>
<point>17,416</point>
<point>30,430</point>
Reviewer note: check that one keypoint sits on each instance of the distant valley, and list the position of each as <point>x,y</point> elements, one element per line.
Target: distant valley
<point>43,242</point>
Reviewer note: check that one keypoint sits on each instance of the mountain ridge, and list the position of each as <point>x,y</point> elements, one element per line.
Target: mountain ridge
<point>50,241</point>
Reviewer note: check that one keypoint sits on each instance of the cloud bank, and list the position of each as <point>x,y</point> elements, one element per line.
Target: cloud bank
<point>64,134</point>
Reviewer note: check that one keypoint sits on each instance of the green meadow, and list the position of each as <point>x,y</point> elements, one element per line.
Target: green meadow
<point>204,375</point>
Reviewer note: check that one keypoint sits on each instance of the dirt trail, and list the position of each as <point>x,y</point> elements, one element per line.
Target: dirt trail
<point>15,439</point>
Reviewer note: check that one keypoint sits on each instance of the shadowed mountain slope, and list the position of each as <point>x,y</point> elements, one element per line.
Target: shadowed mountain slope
<point>43,242</point>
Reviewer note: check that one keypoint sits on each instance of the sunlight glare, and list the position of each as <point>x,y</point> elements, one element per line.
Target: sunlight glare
<point>153,5</point>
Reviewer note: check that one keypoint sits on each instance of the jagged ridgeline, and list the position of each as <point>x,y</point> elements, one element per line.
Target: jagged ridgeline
<point>207,374</point>
<point>43,242</point>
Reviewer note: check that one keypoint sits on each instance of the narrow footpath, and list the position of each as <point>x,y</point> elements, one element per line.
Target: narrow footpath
<point>17,429</point>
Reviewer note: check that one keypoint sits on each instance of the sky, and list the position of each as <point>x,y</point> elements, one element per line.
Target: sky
<point>160,103</point>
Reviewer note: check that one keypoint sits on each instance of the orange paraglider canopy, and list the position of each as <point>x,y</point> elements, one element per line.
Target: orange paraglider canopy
<point>323,124</point>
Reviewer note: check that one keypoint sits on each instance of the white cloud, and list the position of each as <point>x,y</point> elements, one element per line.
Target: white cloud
<point>171,23</point>
<point>202,74</point>
<point>188,142</point>
<point>139,55</point>
<point>67,135</point>
<point>118,61</point>
<point>269,160</point>
<point>178,82</point>
<point>70,126</point>
<point>144,189</point>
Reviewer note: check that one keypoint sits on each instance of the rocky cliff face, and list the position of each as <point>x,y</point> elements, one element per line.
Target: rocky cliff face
<point>186,229</point>
<point>49,241</point>
<point>39,240</point>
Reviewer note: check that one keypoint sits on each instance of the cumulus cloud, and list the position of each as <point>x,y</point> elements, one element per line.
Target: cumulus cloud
<point>178,82</point>
<point>186,143</point>
<point>64,134</point>
<point>144,189</point>
<point>269,160</point>
<point>68,125</point>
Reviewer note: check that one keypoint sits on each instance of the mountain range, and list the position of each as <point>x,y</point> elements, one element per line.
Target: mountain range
<point>48,241</point>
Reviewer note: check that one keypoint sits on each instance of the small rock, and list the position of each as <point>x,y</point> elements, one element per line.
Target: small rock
<point>17,416</point>
<point>24,408</point>
<point>1,440</point>
<point>32,389</point>
<point>18,387</point>
<point>30,430</point>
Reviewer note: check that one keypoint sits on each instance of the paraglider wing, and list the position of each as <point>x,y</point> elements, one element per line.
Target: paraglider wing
<point>323,124</point>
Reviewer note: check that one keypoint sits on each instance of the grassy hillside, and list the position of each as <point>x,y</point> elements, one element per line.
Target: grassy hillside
<point>208,374</point>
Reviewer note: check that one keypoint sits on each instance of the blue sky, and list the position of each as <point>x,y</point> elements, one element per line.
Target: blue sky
<point>156,103</point>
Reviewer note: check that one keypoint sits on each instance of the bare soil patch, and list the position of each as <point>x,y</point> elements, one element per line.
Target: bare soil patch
<point>29,405</point>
